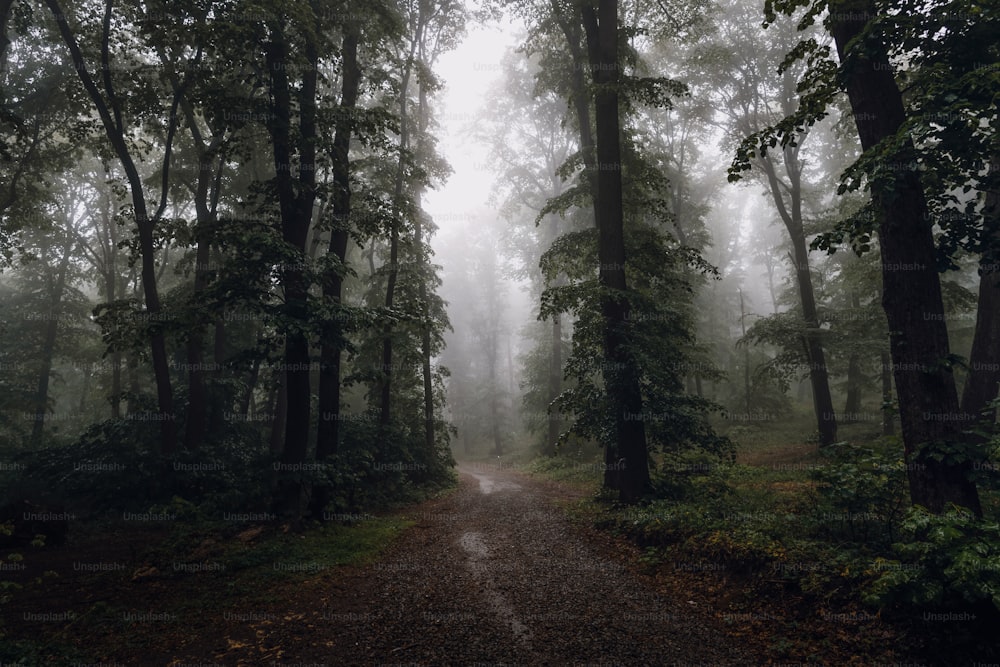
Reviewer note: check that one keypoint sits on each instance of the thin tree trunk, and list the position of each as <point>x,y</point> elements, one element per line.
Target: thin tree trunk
<point>385,401</point>
<point>746,356</point>
<point>279,413</point>
<point>494,407</point>
<point>251,387</point>
<point>791,215</point>
<point>425,273</point>
<point>332,344</point>
<point>984,360</point>
<point>555,386</point>
<point>328,435</point>
<point>888,421</point>
<point>197,413</point>
<point>111,118</point>
<point>49,345</point>
<point>852,406</point>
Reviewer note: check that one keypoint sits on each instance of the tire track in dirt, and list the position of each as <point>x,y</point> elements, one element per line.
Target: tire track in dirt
<point>497,575</point>
<point>493,574</point>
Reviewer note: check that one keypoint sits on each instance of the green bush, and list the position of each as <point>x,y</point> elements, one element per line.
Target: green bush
<point>863,493</point>
<point>950,559</point>
<point>116,466</point>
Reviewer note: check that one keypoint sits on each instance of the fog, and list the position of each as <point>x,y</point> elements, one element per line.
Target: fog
<point>277,275</point>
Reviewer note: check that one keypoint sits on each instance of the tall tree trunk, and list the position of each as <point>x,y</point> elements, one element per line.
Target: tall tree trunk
<point>852,406</point>
<point>888,421</point>
<point>332,344</point>
<point>494,398</point>
<point>425,343</point>
<point>984,360</point>
<point>385,400</point>
<point>279,413</point>
<point>555,386</point>
<point>928,400</point>
<point>247,399</point>
<point>111,282</point>
<point>111,117</point>
<point>328,435</point>
<point>296,203</point>
<point>746,356</point>
<point>621,376</point>
<point>580,100</point>
<point>49,344</point>
<point>425,273</point>
<point>197,413</point>
<point>791,215</point>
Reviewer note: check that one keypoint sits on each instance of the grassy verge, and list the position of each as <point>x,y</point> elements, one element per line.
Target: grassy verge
<point>805,555</point>
<point>183,578</point>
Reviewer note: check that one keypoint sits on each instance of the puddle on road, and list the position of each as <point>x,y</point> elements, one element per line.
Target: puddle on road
<point>475,545</point>
<point>488,485</point>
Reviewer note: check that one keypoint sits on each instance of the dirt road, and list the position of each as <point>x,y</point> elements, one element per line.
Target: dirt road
<point>495,575</point>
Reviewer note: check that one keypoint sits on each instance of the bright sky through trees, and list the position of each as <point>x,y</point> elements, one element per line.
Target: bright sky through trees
<point>467,72</point>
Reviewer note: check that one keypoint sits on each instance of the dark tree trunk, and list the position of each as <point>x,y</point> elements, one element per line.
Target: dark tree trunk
<point>425,350</point>
<point>747,394</point>
<point>247,399</point>
<point>5,7</point>
<point>328,435</point>
<point>296,203</point>
<point>49,344</point>
<point>888,420</point>
<point>425,273</point>
<point>791,215</point>
<point>221,399</point>
<point>621,377</point>
<point>279,413</point>
<point>984,361</point>
<point>197,413</point>
<point>928,400</point>
<point>555,386</point>
<point>385,399</point>
<point>855,382</point>
<point>111,116</point>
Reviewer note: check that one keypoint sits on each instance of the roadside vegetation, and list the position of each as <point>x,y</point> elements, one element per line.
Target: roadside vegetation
<point>815,555</point>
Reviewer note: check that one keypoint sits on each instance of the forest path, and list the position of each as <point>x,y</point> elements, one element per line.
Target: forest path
<point>492,574</point>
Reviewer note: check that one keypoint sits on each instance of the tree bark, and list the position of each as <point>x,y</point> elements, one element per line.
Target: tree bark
<point>555,386</point>
<point>385,400</point>
<point>279,413</point>
<point>49,344</point>
<point>621,377</point>
<point>928,400</point>
<point>791,216</point>
<point>888,421</point>
<point>984,360</point>
<point>197,414</point>
<point>852,405</point>
<point>5,7</point>
<point>296,204</point>
<point>328,435</point>
<point>111,118</point>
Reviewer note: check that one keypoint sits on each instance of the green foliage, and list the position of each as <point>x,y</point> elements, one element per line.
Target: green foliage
<point>660,329</point>
<point>863,492</point>
<point>379,466</point>
<point>947,60</point>
<point>116,466</point>
<point>950,560</point>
